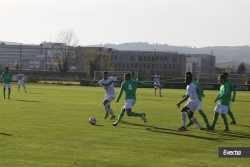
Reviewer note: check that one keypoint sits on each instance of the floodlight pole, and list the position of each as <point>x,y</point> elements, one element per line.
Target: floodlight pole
<point>46,65</point>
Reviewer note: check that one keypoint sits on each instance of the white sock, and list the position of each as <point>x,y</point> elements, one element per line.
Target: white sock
<point>155,92</point>
<point>160,92</point>
<point>106,108</point>
<point>183,116</point>
<point>18,89</point>
<point>196,121</point>
<point>111,111</point>
<point>24,89</point>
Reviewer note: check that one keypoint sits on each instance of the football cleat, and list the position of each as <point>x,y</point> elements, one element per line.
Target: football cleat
<point>143,117</point>
<point>202,129</point>
<point>227,129</point>
<point>3,97</point>
<point>207,127</point>
<point>190,123</point>
<point>161,96</point>
<point>211,128</point>
<point>116,123</point>
<point>113,116</point>
<point>106,116</point>
<point>9,98</point>
<point>233,122</point>
<point>182,128</point>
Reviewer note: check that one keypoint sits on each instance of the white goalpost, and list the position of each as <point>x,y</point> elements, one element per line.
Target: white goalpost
<point>98,74</point>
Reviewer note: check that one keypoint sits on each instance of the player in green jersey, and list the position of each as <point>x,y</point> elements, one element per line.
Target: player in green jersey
<point>6,78</point>
<point>130,87</point>
<point>232,88</point>
<point>223,102</point>
<point>132,77</point>
<point>199,108</point>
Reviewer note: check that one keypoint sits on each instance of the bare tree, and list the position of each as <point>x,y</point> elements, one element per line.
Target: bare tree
<point>65,51</point>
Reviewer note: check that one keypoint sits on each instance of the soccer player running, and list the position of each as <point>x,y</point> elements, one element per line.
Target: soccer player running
<point>108,84</point>
<point>232,88</point>
<point>199,108</point>
<point>6,77</point>
<point>130,87</point>
<point>20,77</point>
<point>223,102</point>
<point>133,77</point>
<point>191,105</point>
<point>157,82</point>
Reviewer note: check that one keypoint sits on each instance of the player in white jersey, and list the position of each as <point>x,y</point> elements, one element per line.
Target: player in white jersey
<point>108,84</point>
<point>157,82</point>
<point>20,77</point>
<point>192,104</point>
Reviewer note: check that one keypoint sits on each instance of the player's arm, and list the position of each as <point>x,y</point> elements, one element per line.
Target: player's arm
<point>10,76</point>
<point>120,94</point>
<point>120,79</point>
<point>178,104</point>
<point>234,94</point>
<point>95,85</point>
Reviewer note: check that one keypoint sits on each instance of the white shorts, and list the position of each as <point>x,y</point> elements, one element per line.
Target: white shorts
<point>221,109</point>
<point>192,105</point>
<point>6,85</point>
<point>21,83</point>
<point>109,98</point>
<point>157,83</point>
<point>199,107</point>
<point>129,103</point>
<point>230,103</point>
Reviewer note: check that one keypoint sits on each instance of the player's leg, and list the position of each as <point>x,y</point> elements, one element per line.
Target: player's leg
<point>128,107</point>
<point>223,112</point>
<point>155,91</point>
<point>18,86</point>
<point>24,87</point>
<point>4,88</point>
<point>183,117</point>
<point>191,115</point>
<point>9,87</point>
<point>225,122</point>
<point>216,115</point>
<point>105,103</point>
<point>200,109</point>
<point>120,117</point>
<point>160,91</point>
<point>231,114</point>
<point>190,120</point>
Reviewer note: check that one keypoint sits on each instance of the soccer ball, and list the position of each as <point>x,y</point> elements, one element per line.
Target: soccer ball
<point>92,121</point>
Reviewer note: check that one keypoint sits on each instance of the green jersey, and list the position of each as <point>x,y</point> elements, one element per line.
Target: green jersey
<point>232,88</point>
<point>199,87</point>
<point>6,77</point>
<point>224,95</point>
<point>133,78</point>
<point>130,87</point>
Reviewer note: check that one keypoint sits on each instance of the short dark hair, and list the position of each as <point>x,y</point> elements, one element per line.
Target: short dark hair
<point>127,75</point>
<point>105,72</point>
<point>188,73</point>
<point>226,74</point>
<point>6,68</point>
<point>222,77</point>
<point>188,77</point>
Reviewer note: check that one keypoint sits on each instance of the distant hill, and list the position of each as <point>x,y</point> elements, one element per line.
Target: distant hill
<point>230,64</point>
<point>222,53</point>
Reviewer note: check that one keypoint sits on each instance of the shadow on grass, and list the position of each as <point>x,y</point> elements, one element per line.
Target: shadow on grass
<point>242,125</point>
<point>172,132</point>
<point>99,125</point>
<point>230,134</point>
<point>5,134</point>
<point>30,101</point>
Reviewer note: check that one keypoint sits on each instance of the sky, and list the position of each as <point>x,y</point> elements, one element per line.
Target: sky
<point>195,23</point>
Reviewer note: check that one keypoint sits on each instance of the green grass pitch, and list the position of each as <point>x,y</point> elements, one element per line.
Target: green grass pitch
<point>48,126</point>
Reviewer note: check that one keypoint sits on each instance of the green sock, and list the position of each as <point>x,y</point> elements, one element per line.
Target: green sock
<point>190,120</point>
<point>205,118</point>
<point>231,115</point>
<point>120,116</point>
<point>225,121</point>
<point>135,114</point>
<point>215,119</point>
<point>4,93</point>
<point>9,94</point>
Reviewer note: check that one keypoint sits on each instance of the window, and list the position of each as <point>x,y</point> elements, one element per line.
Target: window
<point>156,57</point>
<point>115,57</point>
<point>144,65</point>
<point>144,58</point>
<point>173,73</point>
<point>152,73</point>
<point>132,58</point>
<point>136,65</point>
<point>140,58</point>
<point>148,58</point>
<point>153,58</point>
<point>165,66</point>
<point>123,65</point>
<point>160,66</point>
<point>111,57</point>
<point>123,58</point>
<point>177,73</point>
<point>120,57</point>
<point>139,65</point>
<point>178,66</point>
<point>173,66</point>
<point>127,65</point>
<point>166,58</point>
<point>131,65</point>
<point>148,65</point>
<point>119,65</point>
<point>173,59</point>
<point>161,58</point>
<point>152,65</point>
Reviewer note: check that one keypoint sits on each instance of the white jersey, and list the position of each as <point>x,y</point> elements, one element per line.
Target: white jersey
<point>192,92</point>
<point>157,78</point>
<point>108,85</point>
<point>20,77</point>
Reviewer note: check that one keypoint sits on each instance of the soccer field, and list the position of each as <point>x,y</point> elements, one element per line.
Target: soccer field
<point>48,126</point>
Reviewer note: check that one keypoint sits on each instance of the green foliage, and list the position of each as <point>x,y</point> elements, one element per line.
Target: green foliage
<point>97,61</point>
<point>48,126</point>
<point>241,69</point>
